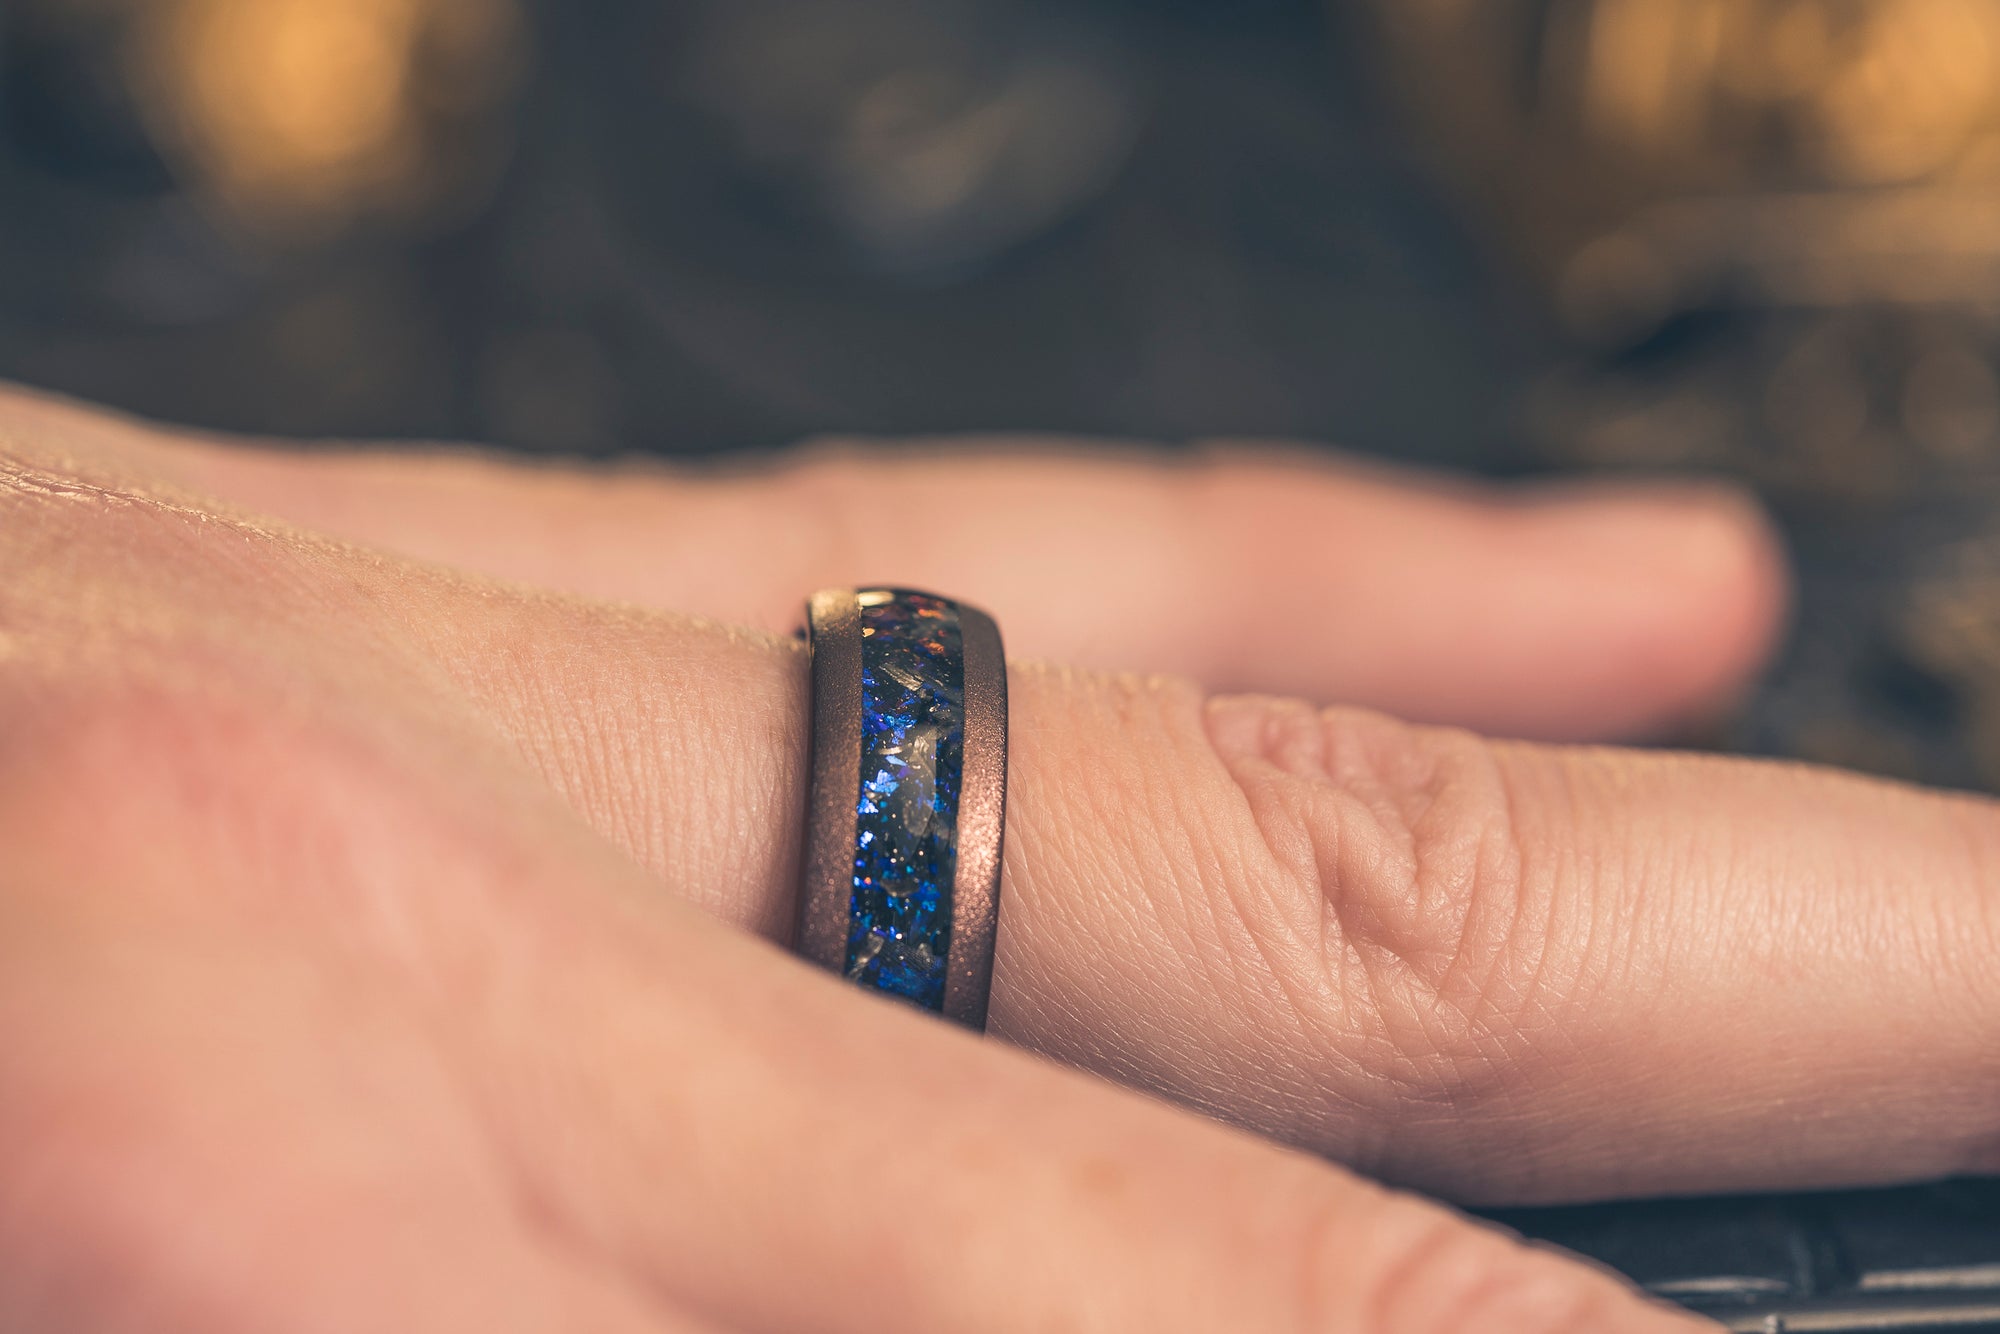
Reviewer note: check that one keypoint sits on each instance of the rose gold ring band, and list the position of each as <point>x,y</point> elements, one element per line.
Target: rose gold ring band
<point>908,794</point>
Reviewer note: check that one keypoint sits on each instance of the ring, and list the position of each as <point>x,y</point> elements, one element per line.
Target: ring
<point>908,796</point>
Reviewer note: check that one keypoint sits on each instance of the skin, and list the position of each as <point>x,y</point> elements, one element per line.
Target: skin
<point>386,930</point>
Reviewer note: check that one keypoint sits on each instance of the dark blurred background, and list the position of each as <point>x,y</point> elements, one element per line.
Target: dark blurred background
<point>1759,238</point>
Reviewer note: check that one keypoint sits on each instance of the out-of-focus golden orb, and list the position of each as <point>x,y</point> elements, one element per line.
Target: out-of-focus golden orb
<point>1852,92</point>
<point>1643,156</point>
<point>299,117</point>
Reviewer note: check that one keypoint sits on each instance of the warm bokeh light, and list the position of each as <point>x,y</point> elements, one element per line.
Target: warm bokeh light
<point>1665,154</point>
<point>299,115</point>
<point>1875,93</point>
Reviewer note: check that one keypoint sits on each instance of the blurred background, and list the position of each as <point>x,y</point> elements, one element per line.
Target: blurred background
<point>1758,238</point>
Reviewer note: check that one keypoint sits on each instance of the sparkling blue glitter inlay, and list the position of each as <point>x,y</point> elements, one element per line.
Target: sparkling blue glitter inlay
<point>912,753</point>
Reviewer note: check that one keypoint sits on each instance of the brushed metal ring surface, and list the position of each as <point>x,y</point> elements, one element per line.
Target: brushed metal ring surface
<point>907,805</point>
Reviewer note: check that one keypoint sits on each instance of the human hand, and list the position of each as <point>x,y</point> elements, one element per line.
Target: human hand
<point>343,986</point>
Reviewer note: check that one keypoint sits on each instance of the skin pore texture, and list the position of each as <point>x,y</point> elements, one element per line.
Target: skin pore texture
<point>391,880</point>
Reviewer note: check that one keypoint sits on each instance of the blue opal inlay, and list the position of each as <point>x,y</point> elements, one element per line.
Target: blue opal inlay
<point>912,754</point>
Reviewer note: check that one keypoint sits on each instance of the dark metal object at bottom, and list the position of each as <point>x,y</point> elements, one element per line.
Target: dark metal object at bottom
<point>1874,1313</point>
<point>1914,1260</point>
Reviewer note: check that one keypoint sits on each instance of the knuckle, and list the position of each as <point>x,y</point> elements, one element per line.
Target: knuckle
<point>1357,895</point>
<point>1396,843</point>
<point>1417,907</point>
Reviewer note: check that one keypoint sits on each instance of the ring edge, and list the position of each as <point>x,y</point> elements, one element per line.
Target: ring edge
<point>982,806</point>
<point>833,622</point>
